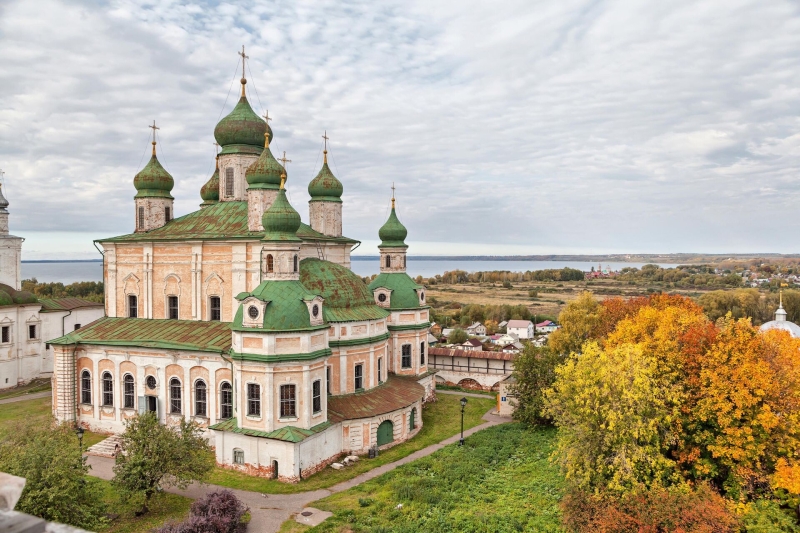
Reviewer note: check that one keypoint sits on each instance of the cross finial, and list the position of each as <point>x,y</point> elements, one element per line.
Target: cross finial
<point>267,118</point>
<point>325,150</point>
<point>244,58</point>
<point>284,160</point>
<point>154,128</point>
<point>392,195</point>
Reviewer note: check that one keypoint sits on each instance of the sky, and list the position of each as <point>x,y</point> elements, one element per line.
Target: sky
<point>514,127</point>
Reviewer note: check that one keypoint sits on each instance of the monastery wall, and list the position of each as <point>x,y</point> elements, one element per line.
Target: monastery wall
<point>21,357</point>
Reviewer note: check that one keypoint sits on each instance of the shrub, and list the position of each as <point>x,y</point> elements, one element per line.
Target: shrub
<point>698,510</point>
<point>217,512</point>
<point>766,516</point>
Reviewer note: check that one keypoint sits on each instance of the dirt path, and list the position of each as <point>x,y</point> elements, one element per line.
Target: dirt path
<point>269,511</point>
<point>23,397</point>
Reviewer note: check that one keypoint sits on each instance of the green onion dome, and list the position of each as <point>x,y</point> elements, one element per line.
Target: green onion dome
<point>325,186</point>
<point>11,296</point>
<point>153,180</point>
<point>281,221</point>
<point>265,172</point>
<point>242,131</point>
<point>210,191</point>
<point>393,233</point>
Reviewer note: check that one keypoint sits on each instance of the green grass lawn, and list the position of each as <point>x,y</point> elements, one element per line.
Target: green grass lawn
<point>500,481</point>
<point>440,420</point>
<point>163,508</point>
<point>36,411</point>
<point>37,385</point>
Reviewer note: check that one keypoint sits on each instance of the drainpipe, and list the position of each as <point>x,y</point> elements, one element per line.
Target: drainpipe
<point>63,325</point>
<point>233,378</point>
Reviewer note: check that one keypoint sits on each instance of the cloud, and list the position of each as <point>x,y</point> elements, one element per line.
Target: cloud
<point>571,125</point>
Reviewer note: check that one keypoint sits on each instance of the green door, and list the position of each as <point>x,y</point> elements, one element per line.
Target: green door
<point>413,422</point>
<point>385,433</point>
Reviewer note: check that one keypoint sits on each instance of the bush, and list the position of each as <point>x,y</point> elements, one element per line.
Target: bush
<point>217,512</point>
<point>533,294</point>
<point>698,510</point>
<point>766,516</point>
<point>457,336</point>
<point>507,285</point>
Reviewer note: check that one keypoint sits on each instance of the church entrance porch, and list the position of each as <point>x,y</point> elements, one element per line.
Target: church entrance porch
<point>385,433</point>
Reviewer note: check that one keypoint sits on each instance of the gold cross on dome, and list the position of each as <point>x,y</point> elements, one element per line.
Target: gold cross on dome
<point>244,57</point>
<point>392,195</point>
<point>325,136</point>
<point>284,160</point>
<point>154,128</point>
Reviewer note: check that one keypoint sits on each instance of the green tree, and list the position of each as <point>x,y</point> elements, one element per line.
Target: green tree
<point>56,489</point>
<point>534,372</point>
<point>154,455</point>
<point>579,321</point>
<point>457,336</point>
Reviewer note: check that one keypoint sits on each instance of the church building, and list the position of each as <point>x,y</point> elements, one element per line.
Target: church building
<point>246,320</point>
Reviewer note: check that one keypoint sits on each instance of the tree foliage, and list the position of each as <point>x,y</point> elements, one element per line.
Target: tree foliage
<point>457,336</point>
<point>579,321</point>
<point>49,459</point>
<point>88,290</point>
<point>534,372</point>
<point>154,455</point>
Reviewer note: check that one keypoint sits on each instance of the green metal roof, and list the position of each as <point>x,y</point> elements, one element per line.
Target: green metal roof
<point>325,186</point>
<point>153,333</point>
<point>209,192</point>
<point>153,180</point>
<point>65,304</point>
<point>265,173</point>
<point>392,233</point>
<point>221,221</point>
<point>287,434</point>
<point>286,311</point>
<point>404,295</point>
<point>281,221</point>
<point>347,297</point>
<point>242,131</point>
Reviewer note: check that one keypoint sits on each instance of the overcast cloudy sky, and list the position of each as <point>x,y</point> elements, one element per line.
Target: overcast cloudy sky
<point>508,127</point>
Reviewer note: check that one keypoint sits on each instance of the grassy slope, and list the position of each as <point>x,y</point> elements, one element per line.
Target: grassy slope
<point>163,508</point>
<point>501,481</point>
<point>37,385</point>
<point>36,411</point>
<point>441,420</point>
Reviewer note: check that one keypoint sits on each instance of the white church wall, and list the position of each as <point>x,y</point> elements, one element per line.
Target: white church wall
<point>10,256</point>
<point>21,356</point>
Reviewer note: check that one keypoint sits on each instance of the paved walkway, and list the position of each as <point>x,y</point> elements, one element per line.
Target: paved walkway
<point>269,511</point>
<point>22,398</point>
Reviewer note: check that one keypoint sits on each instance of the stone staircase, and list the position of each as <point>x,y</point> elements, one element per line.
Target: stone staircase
<point>106,447</point>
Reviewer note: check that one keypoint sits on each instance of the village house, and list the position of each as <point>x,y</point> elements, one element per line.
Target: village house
<point>523,329</point>
<point>476,329</point>
<point>505,338</point>
<point>546,326</point>
<point>472,344</point>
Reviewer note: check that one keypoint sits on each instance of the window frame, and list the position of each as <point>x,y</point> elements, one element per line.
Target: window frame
<point>133,306</point>
<point>380,368</point>
<point>406,357</point>
<point>296,263</point>
<point>358,376</point>
<point>107,396</point>
<point>328,379</point>
<point>33,332</point>
<point>140,215</point>
<point>200,400</point>
<point>170,308</point>
<point>270,263</point>
<point>86,387</point>
<point>316,396</point>
<point>254,400</point>
<point>388,261</point>
<point>288,402</point>
<point>175,403</point>
<point>223,405</point>
<point>422,353</point>
<point>128,395</point>
<point>238,456</point>
<point>5,334</point>
<point>212,308</point>
<point>167,213</point>
<point>230,189</point>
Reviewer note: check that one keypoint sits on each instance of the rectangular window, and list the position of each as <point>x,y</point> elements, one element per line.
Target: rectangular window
<point>172,302</point>
<point>141,218</point>
<point>238,456</point>
<point>32,331</point>
<point>215,308</point>
<point>328,380</point>
<point>359,375</point>
<point>253,399</point>
<point>421,353</point>
<point>128,392</point>
<point>226,401</point>
<point>133,306</point>
<point>77,327</point>
<point>288,407</point>
<point>316,396</point>
<point>380,374</point>
<point>6,334</point>
<point>167,214</point>
<point>228,182</point>
<point>406,361</point>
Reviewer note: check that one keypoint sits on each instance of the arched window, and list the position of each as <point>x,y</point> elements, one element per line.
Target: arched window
<point>128,392</point>
<point>412,425</point>
<point>200,401</point>
<point>175,396</point>
<point>270,263</point>
<point>388,261</point>
<point>225,400</point>
<point>133,306</point>
<point>86,387</point>
<point>108,389</point>
<point>295,263</point>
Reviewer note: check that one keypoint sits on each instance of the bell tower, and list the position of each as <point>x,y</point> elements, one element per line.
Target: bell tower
<point>10,249</point>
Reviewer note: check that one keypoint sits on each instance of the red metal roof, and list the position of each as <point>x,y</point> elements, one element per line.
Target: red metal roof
<point>397,393</point>
<point>65,304</point>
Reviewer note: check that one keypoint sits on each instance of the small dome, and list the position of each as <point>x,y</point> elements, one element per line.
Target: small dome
<point>5,298</point>
<point>242,130</point>
<point>210,191</point>
<point>791,327</point>
<point>153,180</point>
<point>281,221</point>
<point>405,291</point>
<point>325,186</point>
<point>393,233</point>
<point>265,172</point>
<point>3,201</point>
<point>11,296</point>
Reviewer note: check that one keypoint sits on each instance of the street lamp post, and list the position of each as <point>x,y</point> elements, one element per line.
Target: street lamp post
<point>463,405</point>
<point>79,433</point>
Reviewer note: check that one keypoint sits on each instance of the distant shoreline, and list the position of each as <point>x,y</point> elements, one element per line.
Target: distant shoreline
<point>62,261</point>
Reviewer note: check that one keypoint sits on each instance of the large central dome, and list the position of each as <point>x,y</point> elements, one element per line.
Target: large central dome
<point>242,131</point>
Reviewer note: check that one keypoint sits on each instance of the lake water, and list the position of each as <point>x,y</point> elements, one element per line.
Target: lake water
<point>93,271</point>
